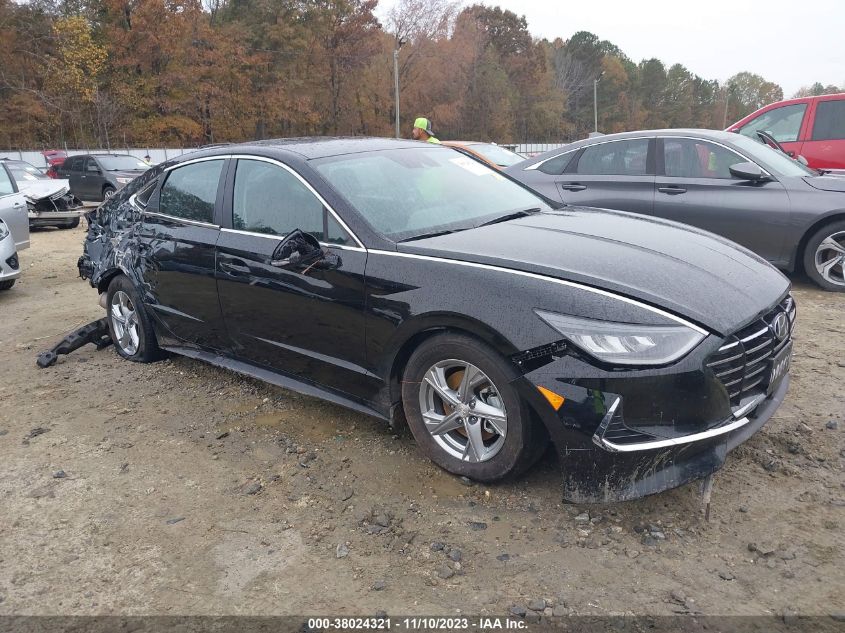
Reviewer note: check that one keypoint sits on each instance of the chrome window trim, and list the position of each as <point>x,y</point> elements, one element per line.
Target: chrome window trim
<point>722,145</point>
<point>546,160</point>
<point>586,145</point>
<point>177,219</point>
<point>555,280</point>
<point>278,238</point>
<point>307,185</point>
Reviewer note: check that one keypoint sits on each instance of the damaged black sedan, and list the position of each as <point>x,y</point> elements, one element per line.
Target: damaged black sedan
<point>408,281</point>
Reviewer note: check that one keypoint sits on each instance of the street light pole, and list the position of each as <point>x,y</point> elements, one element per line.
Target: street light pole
<point>596,102</point>
<point>396,86</point>
<point>399,42</point>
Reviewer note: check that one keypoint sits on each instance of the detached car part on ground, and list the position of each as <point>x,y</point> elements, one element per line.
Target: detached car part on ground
<point>394,277</point>
<point>729,184</point>
<point>49,201</point>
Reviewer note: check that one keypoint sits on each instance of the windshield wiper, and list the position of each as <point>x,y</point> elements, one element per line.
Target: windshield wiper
<point>511,216</point>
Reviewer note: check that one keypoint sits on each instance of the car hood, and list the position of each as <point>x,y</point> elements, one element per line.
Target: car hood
<point>39,189</point>
<point>694,274</point>
<point>827,183</point>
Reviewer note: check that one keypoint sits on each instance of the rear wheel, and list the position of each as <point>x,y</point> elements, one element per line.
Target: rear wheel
<point>5,285</point>
<point>129,325</point>
<point>824,257</point>
<point>464,413</point>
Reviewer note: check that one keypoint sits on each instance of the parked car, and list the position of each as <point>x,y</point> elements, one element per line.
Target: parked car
<point>10,268</point>
<point>725,183</point>
<point>97,176</point>
<point>48,202</point>
<point>493,155</point>
<point>812,127</point>
<point>13,210</point>
<point>392,276</point>
<point>54,158</point>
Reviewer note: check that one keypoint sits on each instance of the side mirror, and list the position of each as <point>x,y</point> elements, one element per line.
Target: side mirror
<point>302,250</point>
<point>748,171</point>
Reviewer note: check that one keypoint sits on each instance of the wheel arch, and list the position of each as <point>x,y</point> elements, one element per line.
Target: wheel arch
<point>423,328</point>
<point>835,216</point>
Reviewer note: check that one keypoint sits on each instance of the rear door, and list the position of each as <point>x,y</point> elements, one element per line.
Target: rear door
<point>611,175</point>
<point>303,321</point>
<point>825,147</point>
<point>694,186</point>
<point>178,236</point>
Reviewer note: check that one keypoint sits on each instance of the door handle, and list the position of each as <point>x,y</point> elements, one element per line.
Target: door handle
<point>17,205</point>
<point>572,186</point>
<point>238,267</point>
<point>672,190</point>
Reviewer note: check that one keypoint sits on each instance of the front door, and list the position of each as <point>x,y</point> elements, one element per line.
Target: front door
<point>177,239</point>
<point>305,321</point>
<point>694,186</point>
<point>611,175</point>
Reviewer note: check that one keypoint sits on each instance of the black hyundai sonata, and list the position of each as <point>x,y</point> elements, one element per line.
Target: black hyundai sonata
<point>408,281</point>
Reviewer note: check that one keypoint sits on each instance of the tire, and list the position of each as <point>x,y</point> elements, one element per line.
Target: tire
<point>71,224</point>
<point>108,192</point>
<point>825,246</point>
<point>122,299</point>
<point>451,358</point>
<point>5,285</point>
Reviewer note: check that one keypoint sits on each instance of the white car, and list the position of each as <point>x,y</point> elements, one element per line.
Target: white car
<point>13,210</point>
<point>49,201</point>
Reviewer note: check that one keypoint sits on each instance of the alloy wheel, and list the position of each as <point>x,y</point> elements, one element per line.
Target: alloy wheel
<point>830,258</point>
<point>124,319</point>
<point>463,410</point>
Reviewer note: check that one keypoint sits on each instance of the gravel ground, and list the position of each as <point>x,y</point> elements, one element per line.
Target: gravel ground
<point>179,488</point>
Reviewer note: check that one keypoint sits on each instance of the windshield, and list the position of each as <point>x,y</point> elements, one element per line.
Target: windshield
<point>22,171</point>
<point>416,191</point>
<point>496,155</point>
<point>122,163</point>
<point>771,159</point>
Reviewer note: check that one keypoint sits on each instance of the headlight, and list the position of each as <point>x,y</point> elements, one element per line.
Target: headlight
<point>4,230</point>
<point>625,343</point>
<point>123,181</point>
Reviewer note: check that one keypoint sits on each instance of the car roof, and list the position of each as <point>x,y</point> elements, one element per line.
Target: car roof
<point>316,146</point>
<point>713,135</point>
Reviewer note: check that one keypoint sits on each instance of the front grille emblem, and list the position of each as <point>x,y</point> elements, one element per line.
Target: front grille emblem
<point>780,326</point>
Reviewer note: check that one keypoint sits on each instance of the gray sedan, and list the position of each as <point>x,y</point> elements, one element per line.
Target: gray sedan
<point>728,184</point>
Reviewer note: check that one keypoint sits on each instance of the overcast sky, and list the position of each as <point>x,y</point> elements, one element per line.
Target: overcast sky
<point>791,43</point>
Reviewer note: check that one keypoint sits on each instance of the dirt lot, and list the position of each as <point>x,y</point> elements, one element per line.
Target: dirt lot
<point>191,490</point>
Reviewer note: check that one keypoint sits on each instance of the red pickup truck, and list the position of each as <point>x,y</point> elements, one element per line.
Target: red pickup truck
<point>812,127</point>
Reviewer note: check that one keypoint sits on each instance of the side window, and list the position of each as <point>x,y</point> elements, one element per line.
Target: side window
<point>691,158</point>
<point>91,165</point>
<point>617,158</point>
<point>190,191</point>
<point>783,123</point>
<point>555,166</point>
<point>6,186</point>
<point>830,121</point>
<point>269,199</point>
<point>73,164</point>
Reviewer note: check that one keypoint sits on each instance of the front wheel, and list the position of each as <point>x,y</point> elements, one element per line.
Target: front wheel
<point>129,325</point>
<point>824,257</point>
<point>464,413</point>
<point>71,224</point>
<point>5,285</point>
<point>108,192</point>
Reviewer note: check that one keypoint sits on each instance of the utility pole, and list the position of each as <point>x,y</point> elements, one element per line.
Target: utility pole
<point>399,43</point>
<point>596,102</point>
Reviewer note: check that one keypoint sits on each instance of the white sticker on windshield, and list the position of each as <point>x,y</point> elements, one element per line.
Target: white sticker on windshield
<point>472,166</point>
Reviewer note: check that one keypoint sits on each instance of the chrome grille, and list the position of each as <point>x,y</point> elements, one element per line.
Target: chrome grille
<point>742,363</point>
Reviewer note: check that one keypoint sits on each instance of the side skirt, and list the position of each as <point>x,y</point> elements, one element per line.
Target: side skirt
<point>280,380</point>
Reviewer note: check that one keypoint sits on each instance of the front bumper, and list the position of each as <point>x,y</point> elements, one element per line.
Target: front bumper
<point>621,435</point>
<point>9,263</point>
